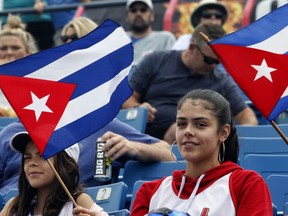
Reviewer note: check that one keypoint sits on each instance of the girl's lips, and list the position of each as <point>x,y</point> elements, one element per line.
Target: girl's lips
<point>190,143</point>
<point>34,173</point>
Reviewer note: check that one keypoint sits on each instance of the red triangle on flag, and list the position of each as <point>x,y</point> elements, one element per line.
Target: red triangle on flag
<point>23,93</point>
<point>240,63</point>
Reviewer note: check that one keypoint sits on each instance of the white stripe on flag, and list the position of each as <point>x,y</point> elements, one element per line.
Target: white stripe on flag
<point>272,44</point>
<point>285,93</point>
<point>63,67</point>
<point>72,111</point>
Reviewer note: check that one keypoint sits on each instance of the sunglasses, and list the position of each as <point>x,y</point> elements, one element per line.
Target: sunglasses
<point>209,15</point>
<point>72,37</point>
<point>207,59</point>
<point>141,9</point>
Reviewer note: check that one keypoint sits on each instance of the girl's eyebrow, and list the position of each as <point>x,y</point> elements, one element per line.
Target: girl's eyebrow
<point>194,119</point>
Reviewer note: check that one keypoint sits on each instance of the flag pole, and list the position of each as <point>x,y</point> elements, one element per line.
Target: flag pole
<point>279,131</point>
<point>62,183</point>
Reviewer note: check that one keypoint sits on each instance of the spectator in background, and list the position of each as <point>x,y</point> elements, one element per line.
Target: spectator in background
<point>61,18</point>
<point>145,40</point>
<point>208,11</point>
<point>162,78</point>
<point>15,43</point>
<point>76,28</point>
<point>39,25</point>
<point>212,181</point>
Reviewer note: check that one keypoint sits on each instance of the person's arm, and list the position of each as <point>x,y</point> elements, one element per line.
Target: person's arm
<point>86,205</point>
<point>246,117</point>
<point>116,146</point>
<point>143,197</point>
<point>251,194</point>
<point>132,101</point>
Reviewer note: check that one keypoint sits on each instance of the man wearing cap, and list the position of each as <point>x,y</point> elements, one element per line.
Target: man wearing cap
<point>139,18</point>
<point>124,142</point>
<point>208,11</point>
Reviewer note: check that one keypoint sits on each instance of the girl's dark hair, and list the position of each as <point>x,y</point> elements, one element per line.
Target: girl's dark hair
<point>221,109</point>
<point>67,169</point>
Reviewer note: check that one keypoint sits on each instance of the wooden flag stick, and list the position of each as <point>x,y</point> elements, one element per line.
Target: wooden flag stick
<point>279,131</point>
<point>62,183</point>
<point>204,37</point>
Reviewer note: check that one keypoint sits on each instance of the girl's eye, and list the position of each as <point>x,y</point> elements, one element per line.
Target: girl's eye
<point>181,124</point>
<point>200,124</point>
<point>25,158</point>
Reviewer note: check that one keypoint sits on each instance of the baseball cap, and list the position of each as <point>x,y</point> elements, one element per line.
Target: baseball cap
<point>19,140</point>
<point>147,2</point>
<point>208,4</point>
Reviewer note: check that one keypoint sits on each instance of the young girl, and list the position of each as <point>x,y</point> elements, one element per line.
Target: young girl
<point>40,193</point>
<point>212,184</point>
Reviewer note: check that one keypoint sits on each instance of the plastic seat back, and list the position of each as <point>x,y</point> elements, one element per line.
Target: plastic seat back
<point>278,186</point>
<point>110,197</point>
<point>269,146</point>
<point>135,117</point>
<point>135,170</point>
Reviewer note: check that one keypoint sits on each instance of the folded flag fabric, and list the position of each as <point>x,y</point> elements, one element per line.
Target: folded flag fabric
<point>64,94</point>
<point>257,59</point>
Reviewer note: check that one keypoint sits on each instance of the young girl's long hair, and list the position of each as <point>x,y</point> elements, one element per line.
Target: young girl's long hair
<point>67,169</point>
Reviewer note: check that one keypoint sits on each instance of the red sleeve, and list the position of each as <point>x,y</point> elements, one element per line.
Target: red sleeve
<point>143,197</point>
<point>250,194</point>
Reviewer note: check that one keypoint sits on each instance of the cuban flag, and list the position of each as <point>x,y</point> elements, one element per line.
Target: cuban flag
<point>257,59</point>
<point>64,94</point>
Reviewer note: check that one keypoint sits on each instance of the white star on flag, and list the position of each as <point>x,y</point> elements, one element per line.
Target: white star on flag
<point>38,105</point>
<point>263,70</point>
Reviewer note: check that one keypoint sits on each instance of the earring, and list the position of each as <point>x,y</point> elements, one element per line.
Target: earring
<point>171,151</point>
<point>221,159</point>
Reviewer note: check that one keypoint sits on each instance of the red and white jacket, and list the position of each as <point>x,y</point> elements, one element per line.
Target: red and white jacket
<point>224,190</point>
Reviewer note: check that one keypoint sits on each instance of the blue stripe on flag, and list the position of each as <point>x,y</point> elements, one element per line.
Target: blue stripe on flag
<point>100,71</point>
<point>280,107</point>
<point>275,20</point>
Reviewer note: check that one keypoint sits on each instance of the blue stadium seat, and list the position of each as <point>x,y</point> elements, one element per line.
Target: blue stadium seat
<point>135,170</point>
<point>260,131</point>
<point>136,187</point>
<point>278,186</point>
<point>250,145</point>
<point>266,165</point>
<point>135,117</point>
<point>110,197</point>
<point>122,212</point>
